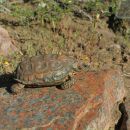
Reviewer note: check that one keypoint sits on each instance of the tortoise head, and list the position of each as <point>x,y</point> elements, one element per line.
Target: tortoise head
<point>76,67</point>
<point>80,64</point>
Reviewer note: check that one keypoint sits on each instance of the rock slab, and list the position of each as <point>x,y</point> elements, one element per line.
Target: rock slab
<point>91,104</point>
<point>127,85</point>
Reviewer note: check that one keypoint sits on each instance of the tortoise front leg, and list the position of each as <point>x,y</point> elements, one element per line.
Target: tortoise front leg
<point>68,83</point>
<point>17,88</point>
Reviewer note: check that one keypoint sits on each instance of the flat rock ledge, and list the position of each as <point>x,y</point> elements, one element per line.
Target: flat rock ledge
<point>91,104</point>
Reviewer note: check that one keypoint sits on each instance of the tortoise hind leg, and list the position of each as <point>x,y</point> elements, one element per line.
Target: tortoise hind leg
<point>68,84</point>
<point>17,88</point>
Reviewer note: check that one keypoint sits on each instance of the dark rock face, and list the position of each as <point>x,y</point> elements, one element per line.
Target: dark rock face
<point>92,103</point>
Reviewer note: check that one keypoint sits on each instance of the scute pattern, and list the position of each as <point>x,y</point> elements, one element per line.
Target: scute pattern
<point>56,65</point>
<point>40,66</point>
<point>44,70</point>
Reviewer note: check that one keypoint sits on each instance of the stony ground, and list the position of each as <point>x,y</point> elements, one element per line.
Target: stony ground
<point>101,43</point>
<point>88,39</point>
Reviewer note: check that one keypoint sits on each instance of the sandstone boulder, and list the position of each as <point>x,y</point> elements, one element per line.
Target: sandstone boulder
<point>92,104</point>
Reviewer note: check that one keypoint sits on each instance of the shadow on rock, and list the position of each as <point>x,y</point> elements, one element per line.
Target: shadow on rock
<point>116,24</point>
<point>6,81</point>
<point>122,123</point>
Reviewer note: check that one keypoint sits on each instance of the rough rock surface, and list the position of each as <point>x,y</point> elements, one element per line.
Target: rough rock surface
<point>127,85</point>
<point>92,104</point>
<point>6,46</point>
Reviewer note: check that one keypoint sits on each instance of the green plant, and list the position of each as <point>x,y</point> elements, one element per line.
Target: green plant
<point>15,59</point>
<point>9,63</point>
<point>50,12</point>
<point>23,14</point>
<point>1,64</point>
<point>29,49</point>
<point>2,1</point>
<point>99,6</point>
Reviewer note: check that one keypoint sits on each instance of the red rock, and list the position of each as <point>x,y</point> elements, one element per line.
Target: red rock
<point>92,104</point>
<point>6,46</point>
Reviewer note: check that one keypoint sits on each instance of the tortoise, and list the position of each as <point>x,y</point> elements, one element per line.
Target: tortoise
<point>45,70</point>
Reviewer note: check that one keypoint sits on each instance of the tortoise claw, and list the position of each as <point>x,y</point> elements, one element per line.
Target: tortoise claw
<point>16,88</point>
<point>68,84</point>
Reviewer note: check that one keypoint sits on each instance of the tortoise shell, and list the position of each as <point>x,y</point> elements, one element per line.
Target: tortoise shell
<point>44,70</point>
